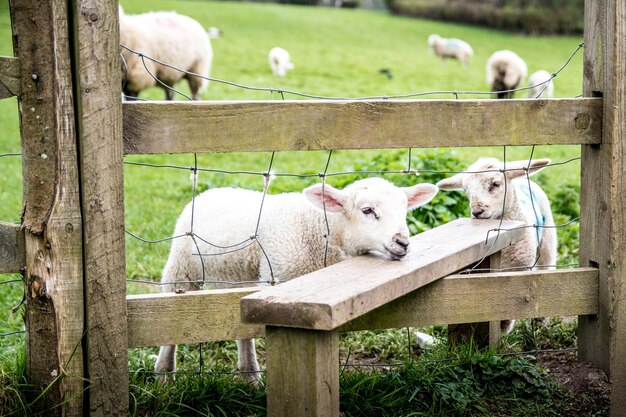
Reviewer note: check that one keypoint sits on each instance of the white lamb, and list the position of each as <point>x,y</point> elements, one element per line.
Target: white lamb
<point>167,37</point>
<point>450,48</point>
<point>505,71</point>
<point>510,195</point>
<point>279,61</point>
<point>367,216</point>
<point>537,83</point>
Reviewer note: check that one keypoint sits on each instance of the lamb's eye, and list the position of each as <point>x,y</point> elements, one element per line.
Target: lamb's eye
<point>367,210</point>
<point>494,185</point>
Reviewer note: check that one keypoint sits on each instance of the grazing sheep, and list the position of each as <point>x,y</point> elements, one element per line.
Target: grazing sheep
<point>279,61</point>
<point>214,32</point>
<point>167,37</point>
<point>367,216</point>
<point>511,196</point>
<point>537,83</point>
<point>505,71</point>
<point>450,48</point>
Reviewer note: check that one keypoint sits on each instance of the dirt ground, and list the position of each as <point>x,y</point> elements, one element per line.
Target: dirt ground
<point>588,386</point>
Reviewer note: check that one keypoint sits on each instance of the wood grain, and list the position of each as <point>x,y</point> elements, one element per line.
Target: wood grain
<point>327,298</point>
<point>166,127</point>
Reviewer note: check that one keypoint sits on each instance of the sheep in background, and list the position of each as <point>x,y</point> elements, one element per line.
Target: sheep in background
<point>537,83</point>
<point>367,216</point>
<point>214,32</point>
<point>511,195</point>
<point>450,48</point>
<point>167,37</point>
<point>505,71</point>
<point>279,61</point>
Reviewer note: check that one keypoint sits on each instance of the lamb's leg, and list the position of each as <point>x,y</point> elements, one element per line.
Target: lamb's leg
<point>247,361</point>
<point>166,361</point>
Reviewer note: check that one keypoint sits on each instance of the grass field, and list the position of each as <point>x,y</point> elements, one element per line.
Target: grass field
<point>337,53</point>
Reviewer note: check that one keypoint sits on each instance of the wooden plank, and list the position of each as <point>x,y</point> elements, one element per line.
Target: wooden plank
<point>166,127</point>
<point>602,338</point>
<point>488,297</point>
<point>99,119</point>
<point>9,77</point>
<point>302,373</point>
<point>12,248</point>
<point>195,316</point>
<point>327,298</point>
<point>51,217</point>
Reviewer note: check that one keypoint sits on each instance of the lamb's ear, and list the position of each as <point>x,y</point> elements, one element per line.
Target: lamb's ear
<point>517,169</point>
<point>419,194</point>
<point>452,183</point>
<point>325,197</point>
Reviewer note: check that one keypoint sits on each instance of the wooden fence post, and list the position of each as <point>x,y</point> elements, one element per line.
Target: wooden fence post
<point>602,338</point>
<point>97,69</point>
<point>52,216</point>
<point>302,372</point>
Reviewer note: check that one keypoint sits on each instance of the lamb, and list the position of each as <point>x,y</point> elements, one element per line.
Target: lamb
<point>279,61</point>
<point>450,48</point>
<point>505,71</point>
<point>367,216</point>
<point>537,83</point>
<point>168,37</point>
<point>510,195</point>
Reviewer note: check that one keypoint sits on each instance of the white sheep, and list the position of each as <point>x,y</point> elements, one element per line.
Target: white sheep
<point>450,48</point>
<point>510,195</point>
<point>367,216</point>
<point>279,61</point>
<point>537,83</point>
<point>214,32</point>
<point>505,71</point>
<point>168,37</point>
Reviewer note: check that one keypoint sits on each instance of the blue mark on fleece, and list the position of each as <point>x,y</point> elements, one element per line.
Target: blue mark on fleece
<point>527,199</point>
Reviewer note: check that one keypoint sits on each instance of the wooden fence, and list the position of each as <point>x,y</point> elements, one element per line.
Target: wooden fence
<point>70,244</point>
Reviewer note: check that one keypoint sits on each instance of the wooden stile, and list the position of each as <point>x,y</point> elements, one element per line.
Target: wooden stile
<point>329,298</point>
<point>602,337</point>
<point>166,127</point>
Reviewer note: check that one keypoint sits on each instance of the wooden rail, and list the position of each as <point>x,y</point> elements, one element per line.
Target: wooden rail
<point>9,77</point>
<point>166,127</point>
<point>199,316</point>
<point>12,250</point>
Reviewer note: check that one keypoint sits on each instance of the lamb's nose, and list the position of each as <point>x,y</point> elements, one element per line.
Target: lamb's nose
<point>401,240</point>
<point>477,213</point>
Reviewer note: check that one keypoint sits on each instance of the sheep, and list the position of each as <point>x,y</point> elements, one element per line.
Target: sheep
<point>537,84</point>
<point>450,48</point>
<point>214,32</point>
<point>505,71</point>
<point>279,61</point>
<point>510,195</point>
<point>368,215</point>
<point>168,37</point>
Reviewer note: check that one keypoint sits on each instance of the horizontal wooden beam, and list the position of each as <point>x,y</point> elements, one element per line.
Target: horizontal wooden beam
<point>12,248</point>
<point>486,297</point>
<point>195,316</point>
<point>198,316</point>
<point>166,127</point>
<point>330,297</point>
<point>9,77</point>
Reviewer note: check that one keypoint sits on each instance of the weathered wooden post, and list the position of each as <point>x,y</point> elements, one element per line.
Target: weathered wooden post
<point>602,337</point>
<point>70,123</point>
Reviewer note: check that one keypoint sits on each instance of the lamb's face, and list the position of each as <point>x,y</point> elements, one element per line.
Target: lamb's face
<point>486,193</point>
<point>374,212</point>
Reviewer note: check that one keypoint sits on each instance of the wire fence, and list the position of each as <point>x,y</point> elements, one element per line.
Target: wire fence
<point>206,247</point>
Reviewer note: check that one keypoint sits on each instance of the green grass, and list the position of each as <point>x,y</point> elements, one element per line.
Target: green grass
<point>337,53</point>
